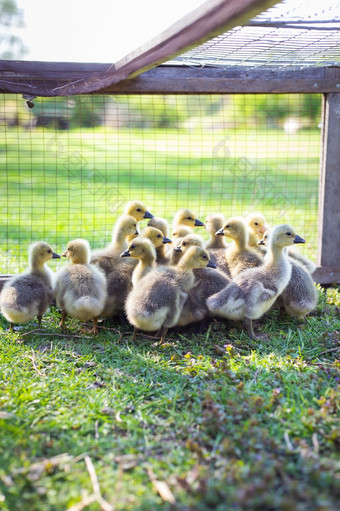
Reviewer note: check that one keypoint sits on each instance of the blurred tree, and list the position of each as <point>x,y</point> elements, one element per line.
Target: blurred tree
<point>11,46</point>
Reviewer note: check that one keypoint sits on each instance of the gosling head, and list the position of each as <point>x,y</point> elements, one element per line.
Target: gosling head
<point>187,217</point>
<point>196,257</point>
<point>140,248</point>
<point>257,224</point>
<point>40,252</point>
<point>181,230</point>
<point>214,223</point>
<point>264,240</point>
<point>190,240</point>
<point>126,225</point>
<point>234,228</point>
<point>78,251</point>
<point>155,236</point>
<point>159,223</point>
<point>283,236</point>
<point>138,210</point>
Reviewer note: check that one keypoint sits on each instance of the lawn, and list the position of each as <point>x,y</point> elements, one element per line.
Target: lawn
<point>204,421</point>
<point>63,185</point>
<point>211,421</point>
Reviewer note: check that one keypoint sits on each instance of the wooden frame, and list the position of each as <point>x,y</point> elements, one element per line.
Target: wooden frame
<point>168,79</point>
<point>328,271</point>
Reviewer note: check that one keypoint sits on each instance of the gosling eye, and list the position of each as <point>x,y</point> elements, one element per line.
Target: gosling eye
<point>49,251</point>
<point>133,246</point>
<point>184,244</point>
<point>288,233</point>
<point>256,223</point>
<point>227,226</point>
<point>159,236</point>
<point>138,209</point>
<point>135,225</point>
<point>189,218</point>
<point>204,257</point>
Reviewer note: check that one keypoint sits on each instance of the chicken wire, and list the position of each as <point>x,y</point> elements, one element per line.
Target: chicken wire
<point>291,35</point>
<point>68,166</point>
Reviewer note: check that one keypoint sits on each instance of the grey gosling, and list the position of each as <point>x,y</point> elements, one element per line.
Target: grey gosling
<point>239,255</point>
<point>156,303</point>
<point>208,281</point>
<point>30,294</point>
<point>143,250</point>
<point>300,296</point>
<point>257,226</point>
<point>80,287</point>
<point>181,232</point>
<point>162,225</point>
<point>254,291</point>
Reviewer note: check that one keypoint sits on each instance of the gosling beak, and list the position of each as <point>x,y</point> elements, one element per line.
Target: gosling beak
<point>178,249</point>
<point>55,256</point>
<point>166,240</point>
<point>198,223</point>
<point>298,239</point>
<point>126,253</point>
<point>211,265</point>
<point>64,254</point>
<point>136,233</point>
<point>261,242</point>
<point>220,232</point>
<point>147,215</point>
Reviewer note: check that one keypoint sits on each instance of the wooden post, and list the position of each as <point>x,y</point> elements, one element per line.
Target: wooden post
<point>328,270</point>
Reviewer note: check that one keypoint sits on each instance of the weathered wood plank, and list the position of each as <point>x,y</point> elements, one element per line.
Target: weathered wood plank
<point>208,80</point>
<point>329,184</point>
<point>187,80</point>
<point>327,275</point>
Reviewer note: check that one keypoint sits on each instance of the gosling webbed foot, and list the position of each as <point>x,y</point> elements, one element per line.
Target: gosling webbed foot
<point>248,323</point>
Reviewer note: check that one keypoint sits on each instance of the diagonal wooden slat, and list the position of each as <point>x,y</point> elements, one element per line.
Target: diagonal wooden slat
<point>207,21</point>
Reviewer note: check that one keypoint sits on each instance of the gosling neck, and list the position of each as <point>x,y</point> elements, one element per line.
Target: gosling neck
<point>143,267</point>
<point>118,242</point>
<point>216,242</point>
<point>241,242</point>
<point>185,275</point>
<point>36,266</point>
<point>161,251</point>
<point>252,240</point>
<point>274,256</point>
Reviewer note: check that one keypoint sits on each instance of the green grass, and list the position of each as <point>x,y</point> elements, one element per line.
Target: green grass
<point>221,422</point>
<point>63,185</point>
<point>224,422</point>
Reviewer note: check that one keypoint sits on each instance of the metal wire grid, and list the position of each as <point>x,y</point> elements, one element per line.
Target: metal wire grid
<point>268,48</point>
<point>290,35</point>
<point>302,11</point>
<point>58,183</point>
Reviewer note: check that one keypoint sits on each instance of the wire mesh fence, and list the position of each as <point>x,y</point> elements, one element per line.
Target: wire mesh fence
<point>69,165</point>
<point>291,35</point>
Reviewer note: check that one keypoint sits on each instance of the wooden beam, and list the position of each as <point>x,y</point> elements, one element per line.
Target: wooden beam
<point>167,79</point>
<point>207,21</point>
<point>208,80</point>
<point>329,185</point>
<point>327,275</point>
